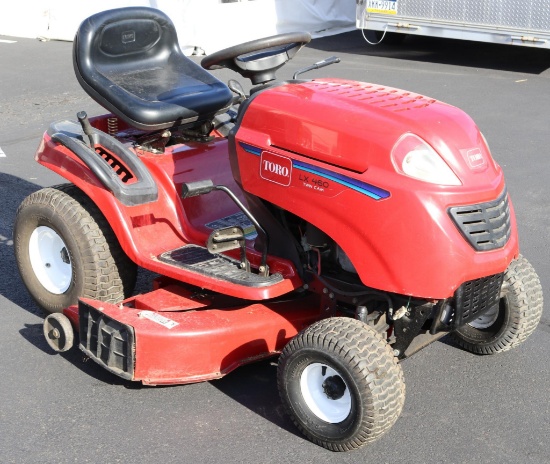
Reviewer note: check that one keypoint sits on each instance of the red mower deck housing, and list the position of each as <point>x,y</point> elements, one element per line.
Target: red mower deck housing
<point>176,335</point>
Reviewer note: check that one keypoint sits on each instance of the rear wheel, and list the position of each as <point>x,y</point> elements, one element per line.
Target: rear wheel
<point>341,384</point>
<point>509,323</point>
<point>65,249</point>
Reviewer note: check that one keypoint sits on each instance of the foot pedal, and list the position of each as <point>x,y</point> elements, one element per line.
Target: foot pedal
<point>199,260</point>
<point>227,239</point>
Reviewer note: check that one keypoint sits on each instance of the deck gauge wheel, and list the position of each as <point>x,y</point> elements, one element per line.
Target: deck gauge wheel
<point>58,332</point>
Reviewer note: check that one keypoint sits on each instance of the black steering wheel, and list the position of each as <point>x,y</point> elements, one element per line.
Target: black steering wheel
<point>259,59</point>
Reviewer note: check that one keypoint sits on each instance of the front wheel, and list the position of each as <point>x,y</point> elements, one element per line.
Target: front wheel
<point>65,249</point>
<point>340,383</point>
<point>509,323</point>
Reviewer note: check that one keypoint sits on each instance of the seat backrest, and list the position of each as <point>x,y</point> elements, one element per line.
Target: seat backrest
<point>130,62</point>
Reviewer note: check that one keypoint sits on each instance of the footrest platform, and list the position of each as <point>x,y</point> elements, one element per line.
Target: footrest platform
<point>199,260</point>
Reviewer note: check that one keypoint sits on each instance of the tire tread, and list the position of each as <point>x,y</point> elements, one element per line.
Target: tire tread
<point>368,355</point>
<point>108,274</point>
<point>526,303</point>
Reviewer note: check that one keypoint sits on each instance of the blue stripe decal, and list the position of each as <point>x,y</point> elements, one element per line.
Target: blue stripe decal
<point>354,184</point>
<point>251,149</point>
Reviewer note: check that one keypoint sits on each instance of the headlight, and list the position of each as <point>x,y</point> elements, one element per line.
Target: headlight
<point>413,157</point>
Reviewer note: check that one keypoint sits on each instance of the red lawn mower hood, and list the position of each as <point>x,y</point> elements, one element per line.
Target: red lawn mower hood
<point>378,170</point>
<point>353,125</point>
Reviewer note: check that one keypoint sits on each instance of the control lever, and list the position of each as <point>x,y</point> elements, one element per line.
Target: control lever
<point>237,88</point>
<point>202,187</point>
<point>318,65</point>
<point>86,128</point>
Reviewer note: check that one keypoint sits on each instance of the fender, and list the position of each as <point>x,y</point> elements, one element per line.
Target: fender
<point>129,210</point>
<point>143,188</point>
<point>149,219</point>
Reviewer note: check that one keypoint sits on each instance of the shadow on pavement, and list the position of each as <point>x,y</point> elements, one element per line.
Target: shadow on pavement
<point>12,192</point>
<point>443,51</point>
<point>254,386</point>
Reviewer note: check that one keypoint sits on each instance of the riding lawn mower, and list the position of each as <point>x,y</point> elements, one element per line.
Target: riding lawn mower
<point>339,225</point>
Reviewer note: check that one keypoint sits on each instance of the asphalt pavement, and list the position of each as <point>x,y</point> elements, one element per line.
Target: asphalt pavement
<point>460,408</point>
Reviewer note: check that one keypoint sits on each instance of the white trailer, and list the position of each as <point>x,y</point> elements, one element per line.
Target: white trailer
<point>511,22</point>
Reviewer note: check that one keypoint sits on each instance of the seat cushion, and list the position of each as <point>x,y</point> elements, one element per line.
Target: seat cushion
<point>130,62</point>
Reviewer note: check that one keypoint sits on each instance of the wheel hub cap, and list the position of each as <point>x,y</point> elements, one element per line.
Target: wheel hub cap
<point>334,387</point>
<point>50,260</point>
<point>325,393</point>
<point>487,319</point>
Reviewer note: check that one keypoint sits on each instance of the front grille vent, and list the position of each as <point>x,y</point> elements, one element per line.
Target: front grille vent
<point>486,226</point>
<point>106,341</point>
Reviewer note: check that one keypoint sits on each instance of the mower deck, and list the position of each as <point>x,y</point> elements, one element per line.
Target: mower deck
<point>176,334</point>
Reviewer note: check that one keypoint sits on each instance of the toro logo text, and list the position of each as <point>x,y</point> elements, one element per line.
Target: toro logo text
<point>276,168</point>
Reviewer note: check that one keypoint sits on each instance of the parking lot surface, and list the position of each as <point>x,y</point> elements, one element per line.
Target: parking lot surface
<point>460,408</point>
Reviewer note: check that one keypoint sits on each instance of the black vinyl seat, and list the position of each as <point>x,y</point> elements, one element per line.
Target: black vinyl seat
<point>130,62</point>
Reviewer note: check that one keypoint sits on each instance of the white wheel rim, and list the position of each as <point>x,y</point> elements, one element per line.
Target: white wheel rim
<point>50,260</point>
<point>332,410</point>
<point>487,319</point>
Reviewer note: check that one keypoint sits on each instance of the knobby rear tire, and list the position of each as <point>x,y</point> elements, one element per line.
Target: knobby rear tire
<point>99,268</point>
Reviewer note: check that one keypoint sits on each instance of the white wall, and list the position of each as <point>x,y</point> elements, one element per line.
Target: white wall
<point>206,24</point>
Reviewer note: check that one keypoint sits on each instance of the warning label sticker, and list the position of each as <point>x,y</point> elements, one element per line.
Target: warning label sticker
<point>155,317</point>
<point>382,6</point>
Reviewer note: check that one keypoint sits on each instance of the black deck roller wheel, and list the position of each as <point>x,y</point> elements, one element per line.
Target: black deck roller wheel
<point>58,332</point>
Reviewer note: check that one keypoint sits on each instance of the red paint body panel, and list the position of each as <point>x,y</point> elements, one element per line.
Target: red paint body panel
<point>72,313</point>
<point>145,231</point>
<point>322,150</point>
<point>210,342</point>
<point>405,243</point>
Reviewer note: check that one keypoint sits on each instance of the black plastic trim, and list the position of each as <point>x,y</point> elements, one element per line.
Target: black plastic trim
<point>486,226</point>
<point>470,301</point>
<point>106,341</point>
<point>475,297</point>
<point>144,190</point>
